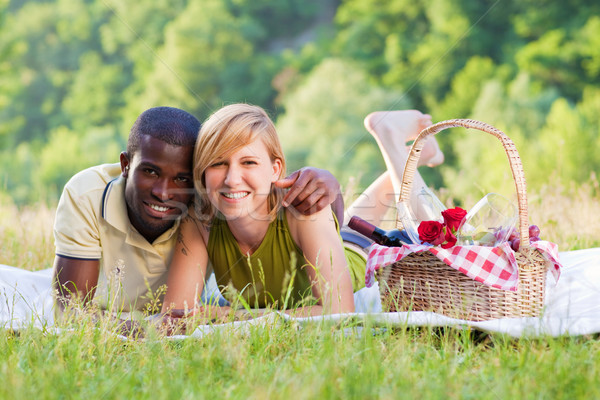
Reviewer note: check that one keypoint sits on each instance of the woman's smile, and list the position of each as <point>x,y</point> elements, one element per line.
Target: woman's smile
<point>235,195</point>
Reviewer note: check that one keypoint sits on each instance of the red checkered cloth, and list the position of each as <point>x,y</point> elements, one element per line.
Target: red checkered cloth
<point>492,266</point>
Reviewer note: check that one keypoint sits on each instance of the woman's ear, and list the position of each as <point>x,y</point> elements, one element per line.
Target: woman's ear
<point>124,159</point>
<point>277,165</point>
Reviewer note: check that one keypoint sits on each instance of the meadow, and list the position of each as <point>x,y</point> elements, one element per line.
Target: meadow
<point>284,360</point>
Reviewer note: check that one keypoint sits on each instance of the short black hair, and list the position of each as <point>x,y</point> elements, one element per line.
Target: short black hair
<point>171,125</point>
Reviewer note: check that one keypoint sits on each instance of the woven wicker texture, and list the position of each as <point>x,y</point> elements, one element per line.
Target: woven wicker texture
<point>422,282</point>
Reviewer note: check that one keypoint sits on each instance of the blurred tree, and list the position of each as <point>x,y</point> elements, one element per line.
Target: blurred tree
<point>566,58</point>
<point>323,122</point>
<point>568,143</point>
<point>27,39</point>
<point>9,81</point>
<point>49,39</point>
<point>518,109</point>
<point>365,25</point>
<point>531,19</point>
<point>417,47</point>
<point>96,93</point>
<point>553,59</point>
<point>36,172</point>
<point>204,47</point>
<point>131,39</point>
<point>17,167</point>
<point>588,39</point>
<point>282,18</point>
<point>465,88</point>
<point>97,146</point>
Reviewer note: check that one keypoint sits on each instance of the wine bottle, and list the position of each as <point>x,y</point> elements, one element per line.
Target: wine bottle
<point>391,238</point>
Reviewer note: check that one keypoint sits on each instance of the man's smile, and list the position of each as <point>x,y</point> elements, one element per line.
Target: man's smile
<point>159,208</point>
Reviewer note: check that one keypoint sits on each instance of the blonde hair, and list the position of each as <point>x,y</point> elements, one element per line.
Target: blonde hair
<point>226,131</point>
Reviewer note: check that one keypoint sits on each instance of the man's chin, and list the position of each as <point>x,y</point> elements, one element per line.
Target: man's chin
<point>157,229</point>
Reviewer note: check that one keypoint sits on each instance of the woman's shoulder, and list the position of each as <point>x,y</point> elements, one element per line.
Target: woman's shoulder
<point>299,223</point>
<point>293,215</point>
<point>194,224</point>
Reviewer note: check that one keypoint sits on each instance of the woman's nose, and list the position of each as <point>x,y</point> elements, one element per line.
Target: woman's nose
<point>234,176</point>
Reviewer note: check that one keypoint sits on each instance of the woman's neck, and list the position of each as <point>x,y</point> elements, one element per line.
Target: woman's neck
<point>249,232</point>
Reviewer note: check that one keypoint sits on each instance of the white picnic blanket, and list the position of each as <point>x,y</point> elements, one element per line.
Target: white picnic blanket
<point>572,306</point>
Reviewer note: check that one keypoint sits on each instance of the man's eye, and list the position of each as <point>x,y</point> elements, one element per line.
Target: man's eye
<point>250,162</point>
<point>183,179</point>
<point>150,171</point>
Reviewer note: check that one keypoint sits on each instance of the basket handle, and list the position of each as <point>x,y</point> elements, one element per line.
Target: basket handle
<point>514,160</point>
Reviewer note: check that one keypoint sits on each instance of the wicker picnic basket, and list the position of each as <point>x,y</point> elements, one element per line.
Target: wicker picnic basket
<point>422,282</point>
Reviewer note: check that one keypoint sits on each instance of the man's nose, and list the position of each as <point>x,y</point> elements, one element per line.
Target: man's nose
<point>162,189</point>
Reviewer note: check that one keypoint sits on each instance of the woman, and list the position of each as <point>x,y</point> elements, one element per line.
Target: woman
<point>264,252</point>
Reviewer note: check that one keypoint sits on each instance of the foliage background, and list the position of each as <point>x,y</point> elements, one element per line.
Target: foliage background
<point>74,74</point>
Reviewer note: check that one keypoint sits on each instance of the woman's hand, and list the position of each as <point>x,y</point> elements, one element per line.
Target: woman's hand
<point>179,322</point>
<point>174,322</point>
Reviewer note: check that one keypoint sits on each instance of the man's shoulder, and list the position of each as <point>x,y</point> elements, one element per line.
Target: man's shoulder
<point>93,179</point>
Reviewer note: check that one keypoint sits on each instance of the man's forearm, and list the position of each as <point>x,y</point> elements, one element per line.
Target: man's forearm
<point>74,280</point>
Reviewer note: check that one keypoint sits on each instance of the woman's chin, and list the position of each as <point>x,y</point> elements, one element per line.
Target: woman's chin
<point>232,215</point>
<point>244,214</point>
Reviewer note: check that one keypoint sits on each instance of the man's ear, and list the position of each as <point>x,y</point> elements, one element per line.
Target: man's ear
<point>124,158</point>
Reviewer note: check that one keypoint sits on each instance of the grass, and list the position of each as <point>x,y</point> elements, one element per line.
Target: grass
<point>26,236</point>
<point>282,362</point>
<point>285,361</point>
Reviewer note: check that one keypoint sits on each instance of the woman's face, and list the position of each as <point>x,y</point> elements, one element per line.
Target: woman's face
<point>239,185</point>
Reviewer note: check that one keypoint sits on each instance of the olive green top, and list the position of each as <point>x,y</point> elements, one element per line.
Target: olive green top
<point>263,278</point>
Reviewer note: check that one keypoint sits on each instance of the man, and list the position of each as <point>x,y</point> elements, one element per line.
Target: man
<point>116,224</point>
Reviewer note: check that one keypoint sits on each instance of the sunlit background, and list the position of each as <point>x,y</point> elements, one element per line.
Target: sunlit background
<point>74,75</point>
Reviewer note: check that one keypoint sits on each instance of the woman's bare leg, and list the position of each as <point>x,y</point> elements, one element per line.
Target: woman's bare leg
<point>391,130</point>
<point>375,202</point>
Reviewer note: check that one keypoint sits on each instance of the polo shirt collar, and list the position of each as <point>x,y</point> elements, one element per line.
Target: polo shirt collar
<point>114,211</point>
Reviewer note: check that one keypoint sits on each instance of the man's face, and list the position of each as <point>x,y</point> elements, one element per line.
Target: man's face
<point>159,185</point>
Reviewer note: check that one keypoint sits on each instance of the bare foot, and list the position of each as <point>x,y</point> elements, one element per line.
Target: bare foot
<point>393,129</point>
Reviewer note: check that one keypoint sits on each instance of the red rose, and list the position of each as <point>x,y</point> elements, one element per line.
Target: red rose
<point>453,217</point>
<point>450,239</point>
<point>431,232</point>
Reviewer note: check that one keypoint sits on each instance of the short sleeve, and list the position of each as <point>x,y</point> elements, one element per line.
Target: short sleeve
<point>76,226</point>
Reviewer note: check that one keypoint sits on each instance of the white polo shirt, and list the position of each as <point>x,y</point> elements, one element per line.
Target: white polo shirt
<point>92,224</point>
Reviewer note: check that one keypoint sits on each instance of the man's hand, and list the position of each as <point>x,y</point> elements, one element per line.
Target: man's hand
<point>311,190</point>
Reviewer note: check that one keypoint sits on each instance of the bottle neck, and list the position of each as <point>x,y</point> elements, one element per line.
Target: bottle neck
<point>379,235</point>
